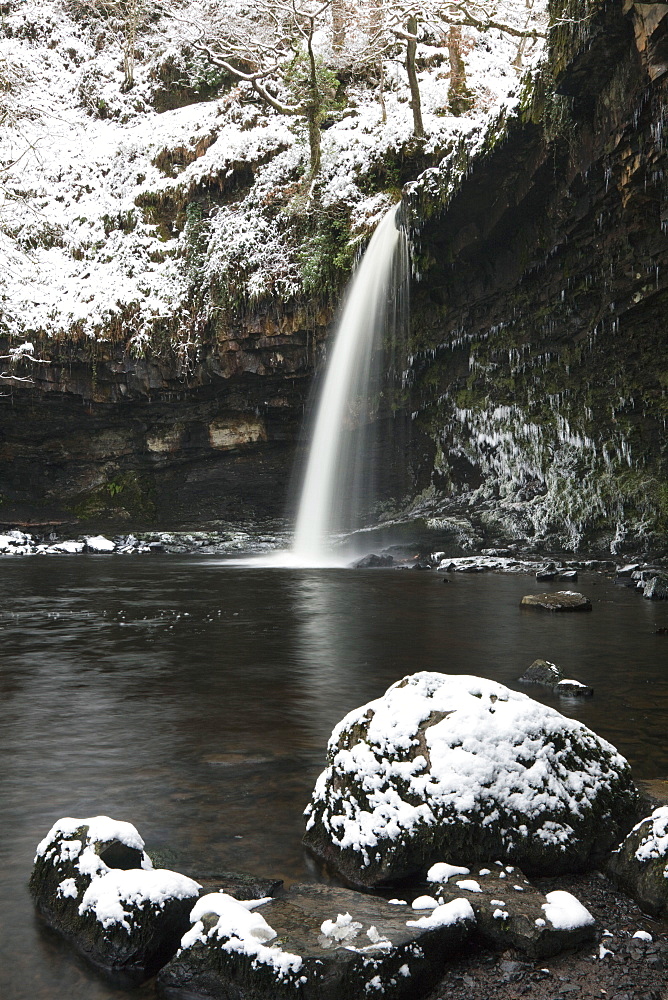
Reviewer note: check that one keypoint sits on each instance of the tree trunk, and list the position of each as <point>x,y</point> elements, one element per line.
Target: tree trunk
<point>314,108</point>
<point>314,145</point>
<point>338,24</point>
<point>416,104</point>
<point>374,29</point>
<point>130,43</point>
<point>460,98</point>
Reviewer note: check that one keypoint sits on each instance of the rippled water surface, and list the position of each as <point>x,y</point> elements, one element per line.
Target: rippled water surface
<point>195,700</point>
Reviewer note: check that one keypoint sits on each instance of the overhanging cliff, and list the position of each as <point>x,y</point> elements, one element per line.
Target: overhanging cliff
<point>540,364</point>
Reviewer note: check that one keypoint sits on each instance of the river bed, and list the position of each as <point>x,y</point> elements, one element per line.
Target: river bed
<point>195,699</point>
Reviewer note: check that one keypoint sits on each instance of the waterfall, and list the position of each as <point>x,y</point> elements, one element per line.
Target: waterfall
<point>337,472</point>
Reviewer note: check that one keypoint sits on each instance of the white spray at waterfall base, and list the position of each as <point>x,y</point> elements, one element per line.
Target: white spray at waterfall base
<point>337,470</point>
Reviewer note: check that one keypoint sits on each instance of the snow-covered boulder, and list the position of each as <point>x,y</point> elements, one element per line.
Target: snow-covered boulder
<point>510,912</point>
<point>69,547</point>
<point>315,942</point>
<point>17,543</point>
<point>98,543</point>
<point>640,864</point>
<point>93,882</point>
<point>464,768</point>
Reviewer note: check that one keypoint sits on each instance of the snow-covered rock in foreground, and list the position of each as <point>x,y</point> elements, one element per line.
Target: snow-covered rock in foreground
<point>315,941</point>
<point>510,911</point>
<point>640,864</point>
<point>464,768</point>
<point>93,882</point>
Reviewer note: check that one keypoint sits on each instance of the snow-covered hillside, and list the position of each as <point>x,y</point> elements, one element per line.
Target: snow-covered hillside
<point>132,215</point>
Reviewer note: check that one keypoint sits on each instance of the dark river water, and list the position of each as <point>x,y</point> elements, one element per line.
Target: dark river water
<point>195,700</point>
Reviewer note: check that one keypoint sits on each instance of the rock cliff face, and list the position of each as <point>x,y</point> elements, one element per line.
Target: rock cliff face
<point>178,441</point>
<point>540,351</point>
<point>541,358</point>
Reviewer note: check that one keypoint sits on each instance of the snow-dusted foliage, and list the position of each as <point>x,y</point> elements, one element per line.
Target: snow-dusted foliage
<point>135,207</point>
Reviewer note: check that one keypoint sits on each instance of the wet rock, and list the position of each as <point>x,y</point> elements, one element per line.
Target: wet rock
<point>87,884</point>
<point>561,600</point>
<point>571,688</point>
<point>541,672</point>
<point>316,942</point>
<point>461,767</point>
<point>639,866</point>
<point>549,675</point>
<point>625,572</point>
<point>569,575</point>
<point>654,792</point>
<point>240,885</point>
<point>511,913</point>
<point>373,561</point>
<point>656,588</point>
<point>548,572</point>
<point>626,581</point>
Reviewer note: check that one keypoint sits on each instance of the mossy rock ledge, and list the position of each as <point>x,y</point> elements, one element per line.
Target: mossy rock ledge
<point>463,769</point>
<point>93,882</point>
<point>316,942</point>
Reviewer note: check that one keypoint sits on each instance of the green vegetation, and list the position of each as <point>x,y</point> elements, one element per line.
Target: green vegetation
<point>127,496</point>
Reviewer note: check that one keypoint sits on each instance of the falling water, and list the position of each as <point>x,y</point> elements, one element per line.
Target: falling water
<point>338,471</point>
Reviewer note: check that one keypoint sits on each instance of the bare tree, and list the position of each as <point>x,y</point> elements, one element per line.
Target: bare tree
<point>273,51</point>
<point>459,96</point>
<point>339,24</point>
<point>404,19</point>
<point>124,18</point>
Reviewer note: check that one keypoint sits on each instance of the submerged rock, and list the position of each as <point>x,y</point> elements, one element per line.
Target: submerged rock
<point>316,942</point>
<point>511,913</point>
<point>240,885</point>
<point>88,885</point>
<point>639,866</point>
<point>550,675</point>
<point>457,766</point>
<point>541,672</point>
<point>372,561</point>
<point>561,600</point>
<point>571,688</point>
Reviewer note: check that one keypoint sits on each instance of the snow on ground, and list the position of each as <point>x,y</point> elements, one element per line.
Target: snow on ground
<point>82,245</point>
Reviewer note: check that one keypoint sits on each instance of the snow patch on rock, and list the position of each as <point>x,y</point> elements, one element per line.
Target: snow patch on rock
<point>565,912</point>
<point>456,911</point>
<point>111,896</point>
<point>238,929</point>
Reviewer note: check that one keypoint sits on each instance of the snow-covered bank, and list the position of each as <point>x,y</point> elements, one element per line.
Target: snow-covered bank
<point>112,193</point>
